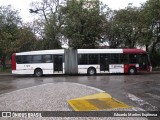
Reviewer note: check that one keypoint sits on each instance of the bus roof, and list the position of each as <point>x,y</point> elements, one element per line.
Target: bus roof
<point>84,51</point>
<point>56,51</point>
<point>111,51</point>
<point>100,51</point>
<point>134,51</point>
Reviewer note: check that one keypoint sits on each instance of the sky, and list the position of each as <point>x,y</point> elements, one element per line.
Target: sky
<point>23,6</point>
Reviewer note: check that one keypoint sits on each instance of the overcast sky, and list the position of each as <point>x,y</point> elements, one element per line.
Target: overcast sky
<point>24,5</point>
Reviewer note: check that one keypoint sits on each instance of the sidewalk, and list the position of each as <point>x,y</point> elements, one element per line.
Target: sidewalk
<point>54,97</point>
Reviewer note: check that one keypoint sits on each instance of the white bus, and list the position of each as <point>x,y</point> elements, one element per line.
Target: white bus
<point>38,62</point>
<point>85,61</point>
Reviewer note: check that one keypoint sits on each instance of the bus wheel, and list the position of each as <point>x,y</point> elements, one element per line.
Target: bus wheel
<point>38,72</point>
<point>91,71</point>
<point>132,71</point>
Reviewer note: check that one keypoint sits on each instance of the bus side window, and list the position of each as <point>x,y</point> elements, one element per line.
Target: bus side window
<point>114,58</point>
<point>37,59</point>
<point>18,60</point>
<point>143,59</point>
<point>133,58</point>
<point>83,59</point>
<point>123,58</point>
<point>26,58</point>
<point>93,59</point>
<point>47,58</point>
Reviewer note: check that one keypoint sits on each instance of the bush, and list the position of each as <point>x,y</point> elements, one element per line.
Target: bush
<point>7,69</point>
<point>155,60</point>
<point>156,68</point>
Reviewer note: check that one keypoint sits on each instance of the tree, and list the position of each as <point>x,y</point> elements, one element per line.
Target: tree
<point>26,40</point>
<point>9,22</point>
<point>113,33</point>
<point>124,28</point>
<point>151,19</point>
<point>83,23</point>
<point>50,21</point>
<point>151,10</point>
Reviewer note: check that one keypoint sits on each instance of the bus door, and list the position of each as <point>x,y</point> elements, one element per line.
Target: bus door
<point>58,63</point>
<point>104,62</point>
<point>143,61</point>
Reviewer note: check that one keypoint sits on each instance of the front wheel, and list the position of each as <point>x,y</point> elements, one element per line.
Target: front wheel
<point>132,71</point>
<point>91,71</point>
<point>38,73</point>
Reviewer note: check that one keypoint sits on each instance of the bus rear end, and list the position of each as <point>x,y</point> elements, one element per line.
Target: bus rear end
<point>13,59</point>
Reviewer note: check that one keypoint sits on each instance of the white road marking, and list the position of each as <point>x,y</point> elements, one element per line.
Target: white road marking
<point>141,102</point>
<point>99,90</point>
<point>154,96</point>
<point>93,88</point>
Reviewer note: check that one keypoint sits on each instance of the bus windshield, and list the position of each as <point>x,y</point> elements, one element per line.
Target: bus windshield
<point>144,61</point>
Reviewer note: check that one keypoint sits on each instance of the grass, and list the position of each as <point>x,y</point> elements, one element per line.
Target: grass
<point>6,70</point>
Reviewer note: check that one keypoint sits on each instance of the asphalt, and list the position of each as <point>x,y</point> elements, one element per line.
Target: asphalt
<point>10,74</point>
<point>52,97</point>
<point>24,92</point>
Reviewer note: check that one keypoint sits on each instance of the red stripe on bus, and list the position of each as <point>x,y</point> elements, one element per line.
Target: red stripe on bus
<point>13,61</point>
<point>127,66</point>
<point>133,51</point>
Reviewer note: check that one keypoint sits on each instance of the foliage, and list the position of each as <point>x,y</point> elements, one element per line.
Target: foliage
<point>9,22</point>
<point>5,70</point>
<point>124,28</point>
<point>26,39</point>
<point>83,23</point>
<point>14,37</point>
<point>49,15</point>
<point>151,19</point>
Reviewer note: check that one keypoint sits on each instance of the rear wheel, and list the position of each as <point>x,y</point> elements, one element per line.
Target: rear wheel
<point>91,71</point>
<point>132,71</point>
<point>38,72</point>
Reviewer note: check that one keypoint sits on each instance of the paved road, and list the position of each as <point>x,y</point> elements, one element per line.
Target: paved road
<point>142,90</point>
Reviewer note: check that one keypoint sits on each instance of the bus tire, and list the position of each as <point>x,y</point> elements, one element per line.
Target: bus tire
<point>91,71</point>
<point>38,72</point>
<point>132,71</point>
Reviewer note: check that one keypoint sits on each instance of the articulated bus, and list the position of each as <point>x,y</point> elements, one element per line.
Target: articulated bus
<point>82,61</point>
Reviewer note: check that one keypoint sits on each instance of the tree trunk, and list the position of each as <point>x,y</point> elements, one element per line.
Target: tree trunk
<point>3,62</point>
<point>147,47</point>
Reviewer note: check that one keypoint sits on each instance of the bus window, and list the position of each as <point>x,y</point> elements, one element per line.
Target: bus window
<point>133,58</point>
<point>26,58</point>
<point>114,58</point>
<point>18,60</point>
<point>83,59</point>
<point>93,59</point>
<point>47,58</point>
<point>37,59</point>
<point>143,61</point>
<point>123,58</point>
